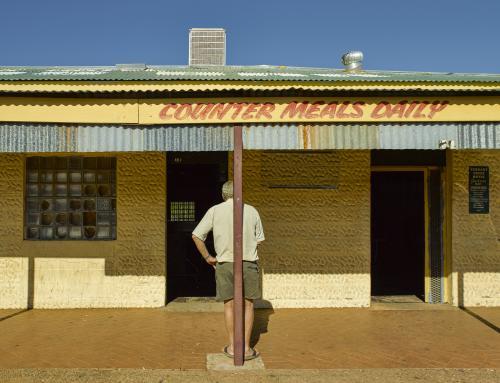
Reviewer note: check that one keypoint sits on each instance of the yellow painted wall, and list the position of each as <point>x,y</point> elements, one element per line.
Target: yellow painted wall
<point>141,205</point>
<point>69,110</point>
<point>475,237</point>
<point>317,247</point>
<point>129,271</point>
<point>13,269</point>
<point>316,253</point>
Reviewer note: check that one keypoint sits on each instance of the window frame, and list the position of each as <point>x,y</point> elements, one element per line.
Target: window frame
<point>102,192</point>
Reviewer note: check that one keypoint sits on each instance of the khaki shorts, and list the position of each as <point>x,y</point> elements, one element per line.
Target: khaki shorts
<point>224,280</point>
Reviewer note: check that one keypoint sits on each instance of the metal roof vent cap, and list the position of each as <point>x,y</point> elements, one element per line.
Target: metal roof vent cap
<point>353,60</point>
<point>131,67</point>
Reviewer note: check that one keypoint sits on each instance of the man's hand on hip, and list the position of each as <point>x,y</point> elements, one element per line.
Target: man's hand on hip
<point>211,260</point>
<point>200,245</point>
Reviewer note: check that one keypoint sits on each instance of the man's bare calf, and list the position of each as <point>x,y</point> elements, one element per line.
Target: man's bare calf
<point>249,318</point>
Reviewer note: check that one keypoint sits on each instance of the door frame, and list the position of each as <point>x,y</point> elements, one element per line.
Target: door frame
<point>174,158</point>
<point>427,267</point>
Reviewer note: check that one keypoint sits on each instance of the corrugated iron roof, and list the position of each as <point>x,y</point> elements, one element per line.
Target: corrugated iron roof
<point>115,138</point>
<point>277,88</point>
<point>231,73</point>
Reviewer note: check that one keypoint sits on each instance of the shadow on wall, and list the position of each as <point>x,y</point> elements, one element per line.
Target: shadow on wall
<point>476,285</point>
<point>460,283</point>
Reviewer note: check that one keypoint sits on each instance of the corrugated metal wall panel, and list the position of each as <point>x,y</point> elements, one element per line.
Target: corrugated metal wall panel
<point>280,137</point>
<point>161,138</point>
<point>352,137</point>
<point>73,138</point>
<point>479,136</point>
<point>27,138</point>
<point>295,137</point>
<point>417,136</point>
<point>427,136</point>
<point>65,138</point>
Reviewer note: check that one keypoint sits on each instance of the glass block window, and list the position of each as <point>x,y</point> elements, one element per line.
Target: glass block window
<point>70,198</point>
<point>182,211</point>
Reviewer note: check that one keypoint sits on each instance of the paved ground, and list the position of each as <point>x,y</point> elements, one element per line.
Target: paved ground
<point>492,316</point>
<point>287,338</point>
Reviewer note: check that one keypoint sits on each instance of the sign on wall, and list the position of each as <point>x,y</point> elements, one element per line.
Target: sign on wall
<point>479,190</point>
<point>315,109</point>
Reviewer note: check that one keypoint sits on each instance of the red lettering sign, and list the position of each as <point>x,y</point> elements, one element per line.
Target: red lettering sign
<point>303,110</point>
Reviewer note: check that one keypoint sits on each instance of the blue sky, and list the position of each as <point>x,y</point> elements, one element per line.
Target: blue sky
<point>424,35</point>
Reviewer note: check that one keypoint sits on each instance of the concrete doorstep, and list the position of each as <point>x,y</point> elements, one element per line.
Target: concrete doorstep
<point>205,304</point>
<point>220,362</point>
<point>195,304</point>
<point>406,303</point>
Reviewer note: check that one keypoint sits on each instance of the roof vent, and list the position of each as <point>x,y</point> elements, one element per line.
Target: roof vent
<point>207,46</point>
<point>130,67</point>
<point>353,60</point>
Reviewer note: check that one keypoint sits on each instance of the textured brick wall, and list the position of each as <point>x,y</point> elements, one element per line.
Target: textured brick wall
<point>317,248</point>
<point>475,237</point>
<point>13,270</point>
<point>11,208</point>
<point>138,252</point>
<point>140,248</point>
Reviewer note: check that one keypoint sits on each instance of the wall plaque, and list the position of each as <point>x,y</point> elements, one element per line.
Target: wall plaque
<point>479,190</point>
<point>300,170</point>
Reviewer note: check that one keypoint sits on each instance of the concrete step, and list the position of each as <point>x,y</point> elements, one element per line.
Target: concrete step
<point>206,304</point>
<point>195,304</point>
<point>405,302</point>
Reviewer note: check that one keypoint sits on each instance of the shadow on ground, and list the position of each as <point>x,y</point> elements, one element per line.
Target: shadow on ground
<point>261,323</point>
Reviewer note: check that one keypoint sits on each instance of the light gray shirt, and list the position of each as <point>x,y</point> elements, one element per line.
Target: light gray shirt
<point>219,218</point>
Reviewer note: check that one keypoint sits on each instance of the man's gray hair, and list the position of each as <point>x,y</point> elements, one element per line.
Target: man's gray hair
<point>227,190</point>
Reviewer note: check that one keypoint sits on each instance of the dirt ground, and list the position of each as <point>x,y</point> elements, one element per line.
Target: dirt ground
<point>274,376</point>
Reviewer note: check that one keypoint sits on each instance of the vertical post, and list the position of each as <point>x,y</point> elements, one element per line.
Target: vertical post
<point>239,324</point>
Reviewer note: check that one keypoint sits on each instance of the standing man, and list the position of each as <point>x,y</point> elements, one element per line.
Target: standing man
<point>219,218</point>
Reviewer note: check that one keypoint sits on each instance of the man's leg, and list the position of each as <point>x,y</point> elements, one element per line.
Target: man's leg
<point>228,317</point>
<point>249,316</point>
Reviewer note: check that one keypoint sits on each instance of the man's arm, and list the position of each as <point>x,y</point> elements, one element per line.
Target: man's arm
<point>259,230</point>
<point>200,234</point>
<point>200,245</point>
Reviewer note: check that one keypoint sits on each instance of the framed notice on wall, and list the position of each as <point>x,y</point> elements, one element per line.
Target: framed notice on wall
<point>479,190</point>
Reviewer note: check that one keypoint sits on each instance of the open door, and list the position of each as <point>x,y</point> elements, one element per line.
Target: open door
<point>398,233</point>
<point>407,218</point>
<point>194,182</point>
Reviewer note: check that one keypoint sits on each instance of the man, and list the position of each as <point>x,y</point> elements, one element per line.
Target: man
<point>219,218</point>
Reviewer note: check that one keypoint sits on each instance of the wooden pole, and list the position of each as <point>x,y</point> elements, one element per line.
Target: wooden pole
<point>239,323</point>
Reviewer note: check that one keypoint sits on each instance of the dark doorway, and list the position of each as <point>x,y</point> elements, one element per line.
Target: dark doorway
<point>194,182</point>
<point>398,233</point>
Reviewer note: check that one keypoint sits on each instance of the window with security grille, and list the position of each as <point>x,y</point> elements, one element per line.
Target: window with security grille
<point>70,198</point>
<point>182,211</point>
